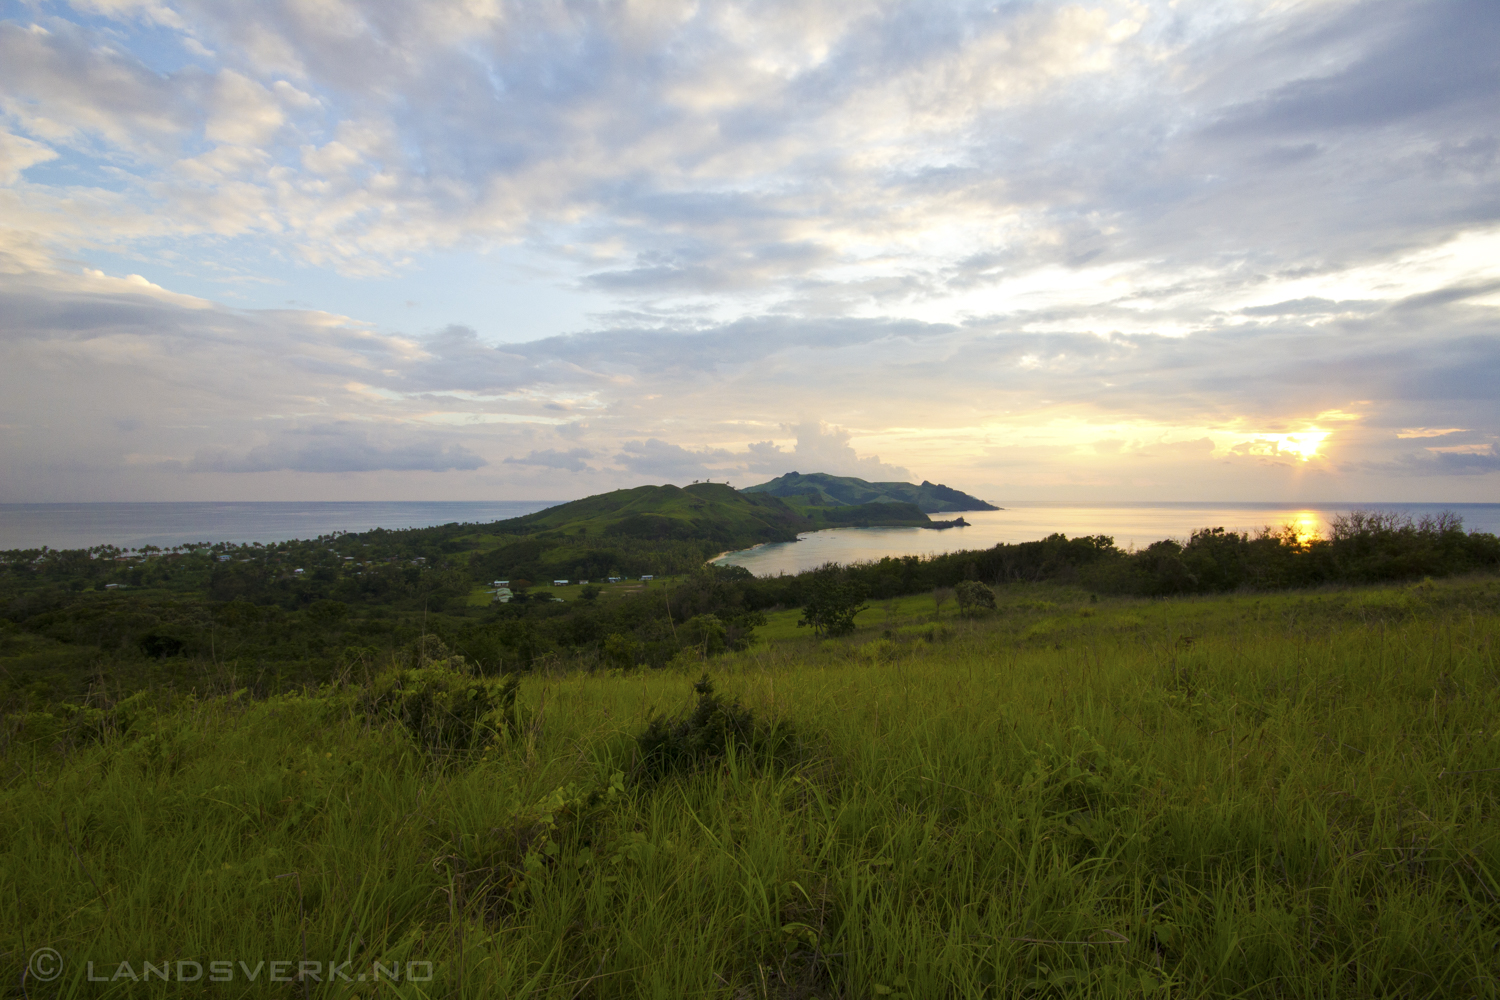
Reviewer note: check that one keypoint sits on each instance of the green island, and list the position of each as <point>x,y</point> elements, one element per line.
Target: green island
<point>818,489</point>
<point>658,529</point>
<point>1248,765</point>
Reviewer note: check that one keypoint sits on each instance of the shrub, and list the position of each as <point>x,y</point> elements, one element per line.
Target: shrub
<point>832,606</point>
<point>444,707</point>
<point>160,645</point>
<point>67,725</point>
<point>704,735</point>
<point>705,633</point>
<point>623,651</point>
<point>974,597</point>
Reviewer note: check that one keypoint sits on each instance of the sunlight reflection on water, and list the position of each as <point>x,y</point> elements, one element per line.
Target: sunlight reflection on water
<point>1130,524</point>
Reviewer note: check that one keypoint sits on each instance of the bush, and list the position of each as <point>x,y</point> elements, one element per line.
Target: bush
<point>160,645</point>
<point>974,597</point>
<point>831,607</point>
<point>444,707</point>
<point>622,651</point>
<point>686,743</point>
<point>64,725</point>
<point>704,633</point>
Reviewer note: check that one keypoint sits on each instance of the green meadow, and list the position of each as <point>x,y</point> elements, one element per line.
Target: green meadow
<point>1250,795</point>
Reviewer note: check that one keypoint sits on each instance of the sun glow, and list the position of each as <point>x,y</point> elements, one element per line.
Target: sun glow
<point>1307,526</point>
<point>1304,445</point>
<point>1301,445</point>
<point>1096,441</point>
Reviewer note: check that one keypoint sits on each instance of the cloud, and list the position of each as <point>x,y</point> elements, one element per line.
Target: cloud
<point>821,448</point>
<point>17,153</point>
<point>657,459</point>
<point>64,87</point>
<point>1476,462</point>
<point>213,391</point>
<point>962,242</point>
<point>244,112</point>
<point>1418,60</point>
<point>1310,306</point>
<point>856,147</point>
<point>572,460</point>
<point>336,448</point>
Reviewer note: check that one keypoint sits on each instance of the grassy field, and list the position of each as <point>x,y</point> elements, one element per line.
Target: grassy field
<point>1290,795</point>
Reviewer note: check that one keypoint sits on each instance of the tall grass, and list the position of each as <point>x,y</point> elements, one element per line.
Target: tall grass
<point>1248,812</point>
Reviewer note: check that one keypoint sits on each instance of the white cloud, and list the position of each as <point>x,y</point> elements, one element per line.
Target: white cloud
<point>149,10</point>
<point>821,448</point>
<point>17,153</point>
<point>243,112</point>
<point>1028,246</point>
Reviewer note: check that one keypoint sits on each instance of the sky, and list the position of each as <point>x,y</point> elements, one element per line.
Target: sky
<point>473,249</point>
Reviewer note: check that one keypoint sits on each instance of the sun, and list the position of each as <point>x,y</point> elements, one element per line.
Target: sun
<point>1304,445</point>
<point>1301,445</point>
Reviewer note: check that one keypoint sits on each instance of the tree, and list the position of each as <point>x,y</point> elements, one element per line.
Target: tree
<point>706,633</point>
<point>974,597</point>
<point>832,607</point>
<point>622,651</point>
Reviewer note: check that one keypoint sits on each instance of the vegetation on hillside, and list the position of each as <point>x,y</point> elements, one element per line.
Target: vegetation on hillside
<point>226,617</point>
<point>1252,795</point>
<point>653,530</point>
<point>1205,768</point>
<point>819,489</point>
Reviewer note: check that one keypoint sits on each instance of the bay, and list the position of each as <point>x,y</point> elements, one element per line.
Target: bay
<point>1132,525</point>
<point>131,525</point>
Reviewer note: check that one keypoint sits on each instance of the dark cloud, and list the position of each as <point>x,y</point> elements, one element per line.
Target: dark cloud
<point>1469,462</point>
<point>1420,59</point>
<point>1307,307</point>
<point>1444,296</point>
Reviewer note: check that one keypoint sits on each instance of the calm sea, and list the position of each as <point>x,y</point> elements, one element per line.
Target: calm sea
<point>131,525</point>
<point>1131,524</point>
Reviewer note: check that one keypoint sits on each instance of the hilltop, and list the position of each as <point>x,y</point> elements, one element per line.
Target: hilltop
<point>660,529</point>
<point>821,489</point>
<point>703,511</point>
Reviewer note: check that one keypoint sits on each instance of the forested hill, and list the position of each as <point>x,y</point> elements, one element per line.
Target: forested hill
<point>703,511</point>
<point>654,529</point>
<point>819,488</point>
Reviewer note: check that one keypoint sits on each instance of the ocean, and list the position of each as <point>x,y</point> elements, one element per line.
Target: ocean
<point>132,525</point>
<point>1130,524</point>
